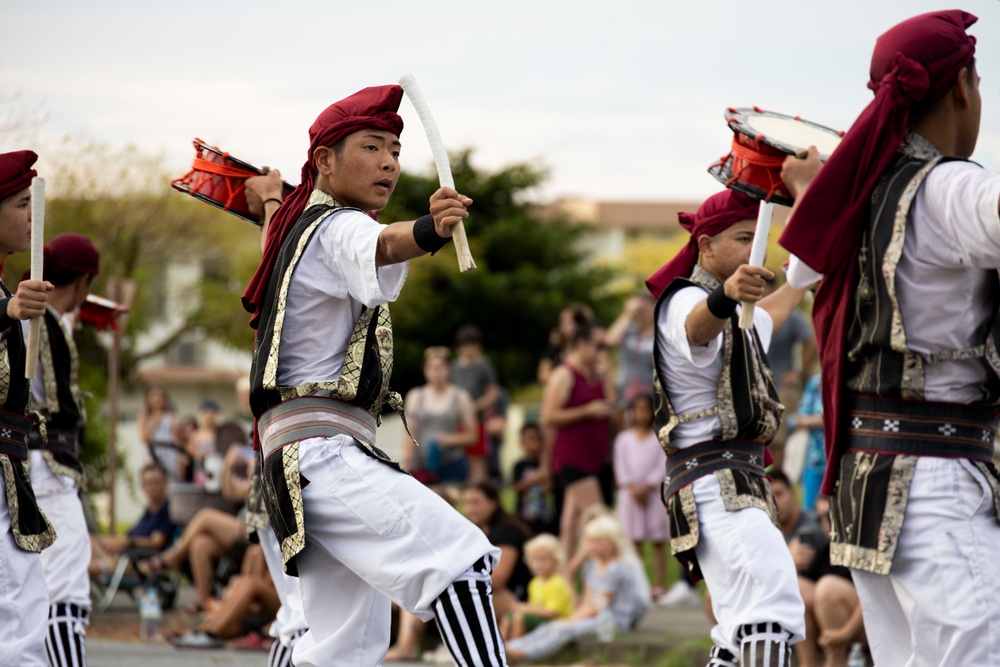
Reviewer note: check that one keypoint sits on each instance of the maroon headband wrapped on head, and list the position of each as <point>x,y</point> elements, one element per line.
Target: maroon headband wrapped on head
<point>915,63</point>
<point>72,253</point>
<point>373,107</point>
<point>717,214</point>
<point>16,172</point>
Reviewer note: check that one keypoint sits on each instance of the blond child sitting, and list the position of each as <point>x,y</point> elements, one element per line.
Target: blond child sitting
<point>549,594</point>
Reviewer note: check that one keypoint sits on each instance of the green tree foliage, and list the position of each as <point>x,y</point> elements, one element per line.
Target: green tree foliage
<point>528,269</point>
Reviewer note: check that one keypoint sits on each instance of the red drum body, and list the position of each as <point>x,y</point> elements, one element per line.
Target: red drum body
<point>100,313</point>
<point>761,142</point>
<point>218,178</point>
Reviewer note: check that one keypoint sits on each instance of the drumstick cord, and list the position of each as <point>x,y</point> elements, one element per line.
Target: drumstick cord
<point>752,157</point>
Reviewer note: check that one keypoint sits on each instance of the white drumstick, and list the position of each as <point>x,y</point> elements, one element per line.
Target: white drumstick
<point>412,90</point>
<point>757,252</point>
<point>37,253</point>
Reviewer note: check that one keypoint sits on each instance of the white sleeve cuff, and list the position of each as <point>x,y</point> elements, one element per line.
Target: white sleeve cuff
<point>800,274</point>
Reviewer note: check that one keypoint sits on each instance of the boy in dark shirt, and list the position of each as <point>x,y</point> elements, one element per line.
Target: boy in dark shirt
<point>529,482</point>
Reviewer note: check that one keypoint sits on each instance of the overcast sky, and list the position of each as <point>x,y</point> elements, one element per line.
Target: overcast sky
<point>619,100</point>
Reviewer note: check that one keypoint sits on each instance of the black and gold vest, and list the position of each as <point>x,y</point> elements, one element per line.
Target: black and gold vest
<point>889,423</point>
<point>363,382</point>
<point>879,360</point>
<point>748,404</point>
<point>32,531</point>
<point>63,410</point>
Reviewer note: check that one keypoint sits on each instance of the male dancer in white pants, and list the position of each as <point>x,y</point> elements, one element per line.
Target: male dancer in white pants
<point>71,262</point>
<point>357,530</point>
<point>905,233</point>
<point>722,409</point>
<point>24,530</point>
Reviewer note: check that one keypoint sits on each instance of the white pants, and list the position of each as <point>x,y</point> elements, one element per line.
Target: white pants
<point>373,534</point>
<point>291,620</point>
<point>24,605</point>
<point>940,604</point>
<point>747,567</point>
<point>65,562</point>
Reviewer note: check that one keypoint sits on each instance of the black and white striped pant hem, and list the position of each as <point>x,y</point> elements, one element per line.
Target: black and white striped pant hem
<point>720,657</point>
<point>764,645</point>
<point>64,641</point>
<point>467,622</point>
<point>281,655</point>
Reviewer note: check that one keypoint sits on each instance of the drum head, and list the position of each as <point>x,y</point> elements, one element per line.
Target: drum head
<point>786,133</point>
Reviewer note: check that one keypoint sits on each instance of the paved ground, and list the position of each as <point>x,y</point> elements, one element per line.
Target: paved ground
<point>103,653</point>
<point>113,637</point>
<point>656,627</point>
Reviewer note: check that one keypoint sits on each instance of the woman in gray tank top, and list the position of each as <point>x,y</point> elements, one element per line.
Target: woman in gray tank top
<point>442,418</point>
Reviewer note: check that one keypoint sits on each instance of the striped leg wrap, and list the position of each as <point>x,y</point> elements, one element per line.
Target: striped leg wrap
<point>281,655</point>
<point>64,640</point>
<point>764,645</point>
<point>465,618</point>
<point>720,657</point>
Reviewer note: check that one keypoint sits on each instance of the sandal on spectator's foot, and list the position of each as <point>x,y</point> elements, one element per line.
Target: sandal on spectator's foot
<point>254,641</point>
<point>197,640</point>
<point>152,566</point>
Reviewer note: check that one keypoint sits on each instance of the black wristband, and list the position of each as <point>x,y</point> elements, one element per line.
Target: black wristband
<point>426,236</point>
<point>720,305</point>
<point>5,319</point>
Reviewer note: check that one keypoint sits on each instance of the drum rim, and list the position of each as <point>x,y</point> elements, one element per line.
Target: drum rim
<point>723,172</point>
<point>199,143</point>
<point>736,118</point>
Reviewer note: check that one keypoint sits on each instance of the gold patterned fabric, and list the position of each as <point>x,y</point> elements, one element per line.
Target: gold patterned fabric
<point>738,468</point>
<point>28,523</point>
<point>62,413</point>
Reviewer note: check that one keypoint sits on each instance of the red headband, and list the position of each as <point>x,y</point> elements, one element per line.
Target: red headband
<point>73,253</point>
<point>717,214</point>
<point>16,172</point>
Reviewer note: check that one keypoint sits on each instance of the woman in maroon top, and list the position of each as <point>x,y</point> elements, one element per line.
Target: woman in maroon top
<point>576,412</point>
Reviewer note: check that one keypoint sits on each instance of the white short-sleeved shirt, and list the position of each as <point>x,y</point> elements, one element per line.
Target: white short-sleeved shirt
<point>335,279</point>
<point>946,275</point>
<point>692,372</point>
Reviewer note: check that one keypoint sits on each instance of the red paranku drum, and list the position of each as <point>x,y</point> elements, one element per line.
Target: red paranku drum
<point>100,313</point>
<point>761,142</point>
<point>219,179</point>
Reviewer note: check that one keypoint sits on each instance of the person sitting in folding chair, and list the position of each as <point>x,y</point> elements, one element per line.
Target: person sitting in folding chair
<point>111,555</point>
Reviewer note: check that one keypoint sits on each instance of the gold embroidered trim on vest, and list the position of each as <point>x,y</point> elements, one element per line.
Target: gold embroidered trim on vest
<point>5,354</point>
<point>346,386</point>
<point>292,545</point>
<point>845,529</point>
<point>725,406</point>
<point>912,382</point>
<point>31,543</point>
<point>51,406</point>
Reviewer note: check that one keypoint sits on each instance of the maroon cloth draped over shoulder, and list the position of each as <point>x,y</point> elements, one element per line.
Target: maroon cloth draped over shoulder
<point>915,63</point>
<point>16,172</point>
<point>717,214</point>
<point>373,107</point>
